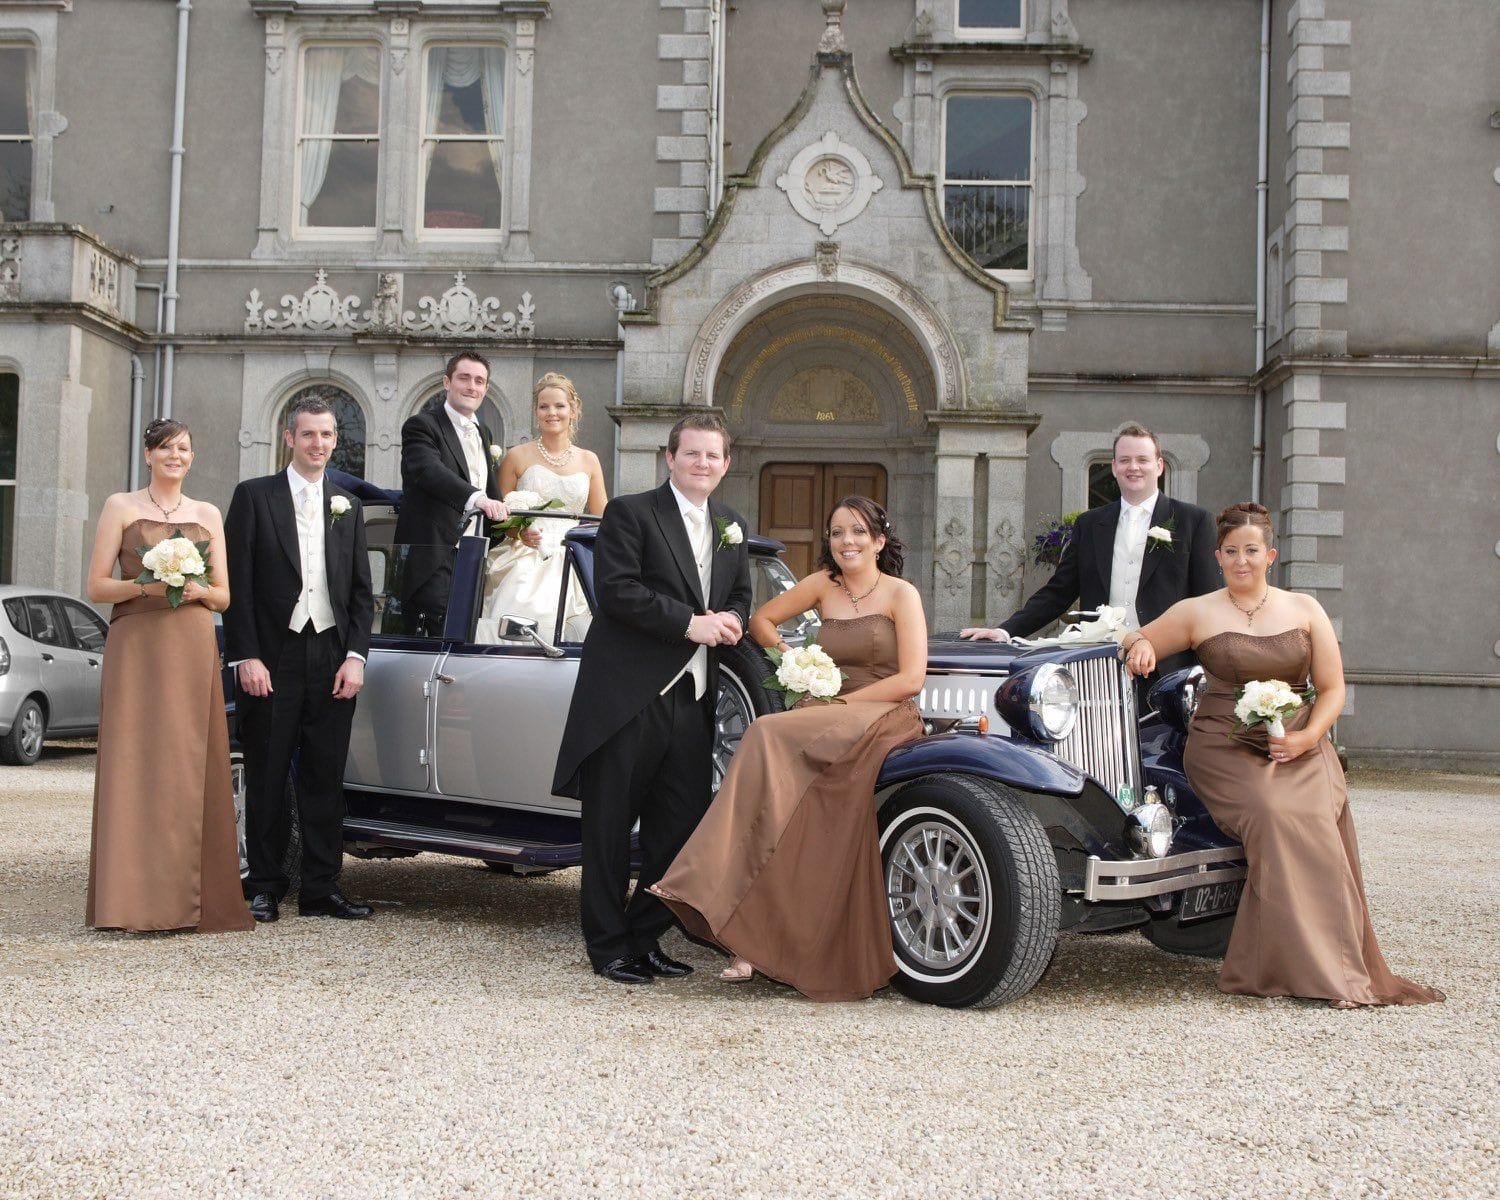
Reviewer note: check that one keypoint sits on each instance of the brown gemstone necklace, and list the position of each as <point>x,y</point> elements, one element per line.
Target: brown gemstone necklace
<point>1249,612</point>
<point>165,512</point>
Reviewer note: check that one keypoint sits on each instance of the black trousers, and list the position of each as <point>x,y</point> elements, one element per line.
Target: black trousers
<point>658,769</point>
<point>299,718</point>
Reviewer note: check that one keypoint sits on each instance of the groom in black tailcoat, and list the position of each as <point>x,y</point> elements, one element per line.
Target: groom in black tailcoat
<point>672,583</point>
<point>1142,553</point>
<point>448,465</point>
<point>296,632</point>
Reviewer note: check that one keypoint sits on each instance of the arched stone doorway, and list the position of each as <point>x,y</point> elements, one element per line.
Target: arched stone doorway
<point>827,395</point>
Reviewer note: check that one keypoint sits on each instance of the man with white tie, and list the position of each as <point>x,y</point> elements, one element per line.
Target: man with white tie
<point>297,632</point>
<point>447,467</point>
<point>1142,554</point>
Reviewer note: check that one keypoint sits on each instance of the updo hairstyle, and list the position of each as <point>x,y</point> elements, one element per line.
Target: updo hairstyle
<point>161,431</point>
<point>555,379</point>
<point>1238,516</point>
<point>891,557</point>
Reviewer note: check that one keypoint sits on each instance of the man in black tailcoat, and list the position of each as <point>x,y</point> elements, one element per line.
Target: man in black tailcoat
<point>1143,553</point>
<point>448,465</point>
<point>297,632</point>
<point>672,583</point>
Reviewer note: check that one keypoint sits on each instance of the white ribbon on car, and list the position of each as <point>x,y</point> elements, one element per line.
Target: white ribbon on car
<point>1109,626</point>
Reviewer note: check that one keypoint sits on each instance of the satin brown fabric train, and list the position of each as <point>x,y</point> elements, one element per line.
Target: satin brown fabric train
<point>164,853</point>
<point>784,870</point>
<point>1303,928</point>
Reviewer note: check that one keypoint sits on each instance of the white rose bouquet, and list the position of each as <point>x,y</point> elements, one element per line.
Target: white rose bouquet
<point>1268,702</point>
<point>806,671</point>
<point>173,561</point>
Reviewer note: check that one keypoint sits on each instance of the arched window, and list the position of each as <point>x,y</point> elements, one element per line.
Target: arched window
<point>489,414</point>
<point>349,455</point>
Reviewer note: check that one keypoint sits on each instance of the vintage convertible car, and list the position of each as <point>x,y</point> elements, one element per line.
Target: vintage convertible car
<point>1038,800</point>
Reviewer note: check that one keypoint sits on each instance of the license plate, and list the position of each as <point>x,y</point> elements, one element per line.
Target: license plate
<point>1209,900</point>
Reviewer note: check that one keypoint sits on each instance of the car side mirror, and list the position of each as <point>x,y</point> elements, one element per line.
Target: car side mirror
<point>523,629</point>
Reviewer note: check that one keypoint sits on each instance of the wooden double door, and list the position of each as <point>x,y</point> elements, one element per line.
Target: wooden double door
<point>795,499</point>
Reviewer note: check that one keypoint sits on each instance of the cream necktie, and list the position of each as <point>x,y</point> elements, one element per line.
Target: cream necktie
<point>474,454</point>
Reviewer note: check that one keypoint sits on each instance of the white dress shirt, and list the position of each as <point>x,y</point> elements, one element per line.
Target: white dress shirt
<point>1130,552</point>
<point>699,535</point>
<point>312,603</point>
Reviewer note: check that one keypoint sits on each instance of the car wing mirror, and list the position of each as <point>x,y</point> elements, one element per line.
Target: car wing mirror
<point>523,629</point>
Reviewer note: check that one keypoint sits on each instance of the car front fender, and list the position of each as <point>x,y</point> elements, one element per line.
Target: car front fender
<point>1019,764</point>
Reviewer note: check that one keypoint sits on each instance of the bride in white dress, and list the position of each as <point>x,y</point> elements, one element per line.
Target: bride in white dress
<point>525,573</point>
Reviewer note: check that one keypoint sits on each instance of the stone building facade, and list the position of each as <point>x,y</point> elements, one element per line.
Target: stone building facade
<point>934,249</point>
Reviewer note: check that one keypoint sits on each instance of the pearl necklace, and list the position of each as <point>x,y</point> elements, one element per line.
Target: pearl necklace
<point>1249,612</point>
<point>554,460</point>
<point>165,512</point>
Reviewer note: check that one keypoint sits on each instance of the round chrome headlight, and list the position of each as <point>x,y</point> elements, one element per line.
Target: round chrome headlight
<point>1150,830</point>
<point>1053,700</point>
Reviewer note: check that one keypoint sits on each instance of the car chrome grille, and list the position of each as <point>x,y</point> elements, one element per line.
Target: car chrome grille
<point>1103,742</point>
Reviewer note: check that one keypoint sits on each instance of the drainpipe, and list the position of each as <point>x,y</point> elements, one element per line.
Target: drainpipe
<point>137,379</point>
<point>174,219</point>
<point>1262,204</point>
<point>623,302</point>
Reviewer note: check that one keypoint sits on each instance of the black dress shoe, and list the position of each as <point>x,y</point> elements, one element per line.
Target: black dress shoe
<point>626,970</point>
<point>334,905</point>
<point>263,907</point>
<point>659,964</point>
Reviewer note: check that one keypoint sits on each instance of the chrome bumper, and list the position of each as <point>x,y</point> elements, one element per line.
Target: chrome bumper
<point>1137,878</point>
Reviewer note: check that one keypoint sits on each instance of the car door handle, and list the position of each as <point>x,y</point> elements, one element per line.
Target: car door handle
<point>93,662</point>
<point>46,658</point>
<point>441,678</point>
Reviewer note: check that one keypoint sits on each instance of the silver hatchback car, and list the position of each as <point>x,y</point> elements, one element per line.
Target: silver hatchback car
<point>51,652</point>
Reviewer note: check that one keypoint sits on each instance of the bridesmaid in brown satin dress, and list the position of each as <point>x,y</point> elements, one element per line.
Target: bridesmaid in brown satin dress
<point>1303,928</point>
<point>165,852</point>
<point>784,869</point>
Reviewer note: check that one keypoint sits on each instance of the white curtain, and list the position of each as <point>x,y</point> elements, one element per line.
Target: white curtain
<point>324,70</point>
<point>461,67</point>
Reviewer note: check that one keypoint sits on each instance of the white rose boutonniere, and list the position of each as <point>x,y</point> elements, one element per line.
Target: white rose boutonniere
<point>339,507</point>
<point>730,533</point>
<point>495,452</point>
<point>1159,537</point>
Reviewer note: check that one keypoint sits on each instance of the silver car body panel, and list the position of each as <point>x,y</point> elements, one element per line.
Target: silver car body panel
<point>390,743</point>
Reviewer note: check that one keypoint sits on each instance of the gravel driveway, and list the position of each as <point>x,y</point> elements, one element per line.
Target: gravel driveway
<point>458,1046</point>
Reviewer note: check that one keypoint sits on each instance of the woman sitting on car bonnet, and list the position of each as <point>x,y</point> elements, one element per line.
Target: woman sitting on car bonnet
<point>784,870</point>
<point>1302,928</point>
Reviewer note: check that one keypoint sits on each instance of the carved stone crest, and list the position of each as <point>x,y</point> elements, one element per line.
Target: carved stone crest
<point>456,312</point>
<point>460,310</point>
<point>10,268</point>
<point>829,182</point>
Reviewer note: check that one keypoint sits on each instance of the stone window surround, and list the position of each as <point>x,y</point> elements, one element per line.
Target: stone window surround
<point>35,26</point>
<point>1056,278</point>
<point>962,88</point>
<point>403,40</point>
<point>1074,450</point>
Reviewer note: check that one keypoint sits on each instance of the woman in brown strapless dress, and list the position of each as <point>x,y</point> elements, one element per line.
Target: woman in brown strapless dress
<point>784,870</point>
<point>165,851</point>
<point>1303,928</point>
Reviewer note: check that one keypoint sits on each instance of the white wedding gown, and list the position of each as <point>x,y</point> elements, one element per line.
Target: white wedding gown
<point>527,582</point>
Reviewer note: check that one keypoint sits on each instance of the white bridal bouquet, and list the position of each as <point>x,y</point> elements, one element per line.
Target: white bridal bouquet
<point>1268,702</point>
<point>173,561</point>
<point>805,671</point>
<point>518,501</point>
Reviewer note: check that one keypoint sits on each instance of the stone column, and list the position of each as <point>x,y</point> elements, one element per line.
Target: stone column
<point>978,534</point>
